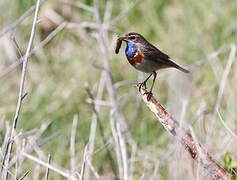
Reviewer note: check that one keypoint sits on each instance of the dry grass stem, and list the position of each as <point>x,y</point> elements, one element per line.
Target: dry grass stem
<point>24,175</point>
<point>72,149</point>
<point>18,21</point>
<point>111,160</point>
<point>123,150</point>
<point>46,177</point>
<point>225,125</point>
<point>63,173</point>
<point>117,145</point>
<point>82,173</point>
<point>40,45</point>
<point>225,75</point>
<point>94,123</point>
<point>7,154</point>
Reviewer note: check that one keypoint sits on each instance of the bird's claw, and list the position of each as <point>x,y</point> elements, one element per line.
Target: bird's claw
<point>149,95</point>
<point>140,86</point>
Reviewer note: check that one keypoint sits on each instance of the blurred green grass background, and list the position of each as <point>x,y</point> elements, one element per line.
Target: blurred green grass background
<point>187,30</point>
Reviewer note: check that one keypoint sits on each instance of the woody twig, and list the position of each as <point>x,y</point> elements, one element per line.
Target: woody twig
<point>196,151</point>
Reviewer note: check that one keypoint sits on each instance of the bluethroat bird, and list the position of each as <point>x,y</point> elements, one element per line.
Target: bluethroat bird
<point>145,57</point>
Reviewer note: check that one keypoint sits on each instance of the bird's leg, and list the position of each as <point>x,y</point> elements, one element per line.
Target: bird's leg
<point>149,93</point>
<point>144,82</point>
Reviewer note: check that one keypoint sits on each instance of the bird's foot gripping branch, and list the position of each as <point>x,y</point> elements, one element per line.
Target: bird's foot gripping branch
<point>196,151</point>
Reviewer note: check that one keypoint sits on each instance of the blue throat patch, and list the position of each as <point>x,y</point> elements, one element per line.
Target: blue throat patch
<point>131,49</point>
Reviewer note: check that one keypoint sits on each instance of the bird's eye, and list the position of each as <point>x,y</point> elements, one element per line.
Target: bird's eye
<point>132,37</point>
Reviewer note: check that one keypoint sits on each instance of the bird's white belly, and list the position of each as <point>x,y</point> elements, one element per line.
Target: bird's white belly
<point>147,66</point>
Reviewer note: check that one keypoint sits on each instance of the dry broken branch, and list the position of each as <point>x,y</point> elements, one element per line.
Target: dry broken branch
<point>197,152</point>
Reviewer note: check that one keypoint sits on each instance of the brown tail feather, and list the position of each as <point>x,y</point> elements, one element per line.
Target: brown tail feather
<point>173,64</point>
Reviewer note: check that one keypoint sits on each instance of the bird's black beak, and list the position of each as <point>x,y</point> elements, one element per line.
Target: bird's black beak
<point>123,38</point>
<point>119,43</point>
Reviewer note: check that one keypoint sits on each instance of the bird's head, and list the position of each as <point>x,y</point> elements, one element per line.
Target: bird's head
<point>132,37</point>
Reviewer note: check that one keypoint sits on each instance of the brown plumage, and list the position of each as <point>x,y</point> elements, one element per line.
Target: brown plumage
<point>146,57</point>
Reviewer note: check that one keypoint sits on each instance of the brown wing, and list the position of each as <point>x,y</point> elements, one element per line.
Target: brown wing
<point>154,54</point>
